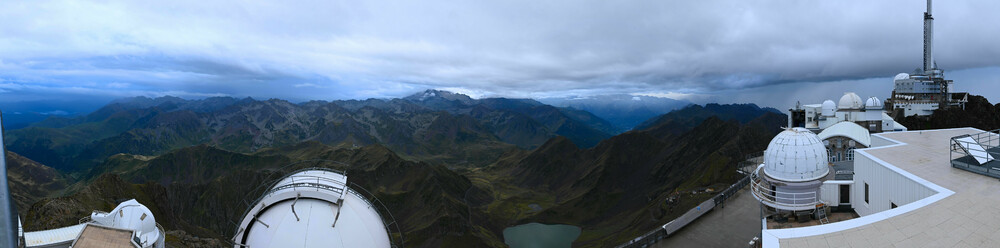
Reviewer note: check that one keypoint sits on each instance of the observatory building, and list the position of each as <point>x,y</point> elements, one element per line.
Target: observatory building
<point>316,208</point>
<point>130,224</point>
<point>870,114</point>
<point>789,181</point>
<point>925,89</point>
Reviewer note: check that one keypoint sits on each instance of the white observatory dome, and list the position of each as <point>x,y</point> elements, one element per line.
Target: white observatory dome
<point>873,104</point>
<point>131,215</point>
<point>796,155</point>
<point>313,208</point>
<point>850,101</point>
<point>902,76</point>
<point>829,108</point>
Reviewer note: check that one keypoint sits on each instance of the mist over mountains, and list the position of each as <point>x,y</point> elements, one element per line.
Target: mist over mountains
<point>624,111</point>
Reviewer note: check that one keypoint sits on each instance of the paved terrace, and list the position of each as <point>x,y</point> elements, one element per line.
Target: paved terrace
<point>968,218</point>
<point>731,225</point>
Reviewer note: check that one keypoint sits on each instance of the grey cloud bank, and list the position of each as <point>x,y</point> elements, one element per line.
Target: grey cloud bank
<point>724,50</point>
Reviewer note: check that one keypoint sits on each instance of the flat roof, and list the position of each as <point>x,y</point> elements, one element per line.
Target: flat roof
<point>104,237</point>
<point>962,214</point>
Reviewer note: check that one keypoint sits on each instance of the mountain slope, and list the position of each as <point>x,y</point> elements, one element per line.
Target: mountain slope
<point>30,181</point>
<point>585,129</point>
<point>627,178</point>
<point>202,190</point>
<point>249,125</point>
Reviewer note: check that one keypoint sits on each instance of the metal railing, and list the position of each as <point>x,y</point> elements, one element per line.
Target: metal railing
<point>309,181</point>
<point>975,156</point>
<point>266,189</point>
<point>779,199</point>
<point>662,232</point>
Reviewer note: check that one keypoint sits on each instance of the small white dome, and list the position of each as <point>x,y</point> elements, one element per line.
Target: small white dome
<point>131,215</point>
<point>829,108</point>
<point>902,76</point>
<point>796,155</point>
<point>850,101</point>
<point>873,104</point>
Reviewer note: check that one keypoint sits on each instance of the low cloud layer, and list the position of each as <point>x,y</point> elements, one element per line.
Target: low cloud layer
<point>360,49</point>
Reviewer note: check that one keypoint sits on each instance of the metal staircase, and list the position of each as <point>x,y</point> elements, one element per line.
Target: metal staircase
<point>821,214</point>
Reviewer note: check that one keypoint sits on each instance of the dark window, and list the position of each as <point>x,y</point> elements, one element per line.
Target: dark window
<point>866,193</point>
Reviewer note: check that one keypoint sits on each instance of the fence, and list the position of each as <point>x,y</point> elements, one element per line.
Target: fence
<point>693,214</point>
<point>977,153</point>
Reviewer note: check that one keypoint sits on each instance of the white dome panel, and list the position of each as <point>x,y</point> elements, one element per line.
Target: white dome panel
<point>902,76</point>
<point>850,101</point>
<point>796,155</point>
<point>873,103</point>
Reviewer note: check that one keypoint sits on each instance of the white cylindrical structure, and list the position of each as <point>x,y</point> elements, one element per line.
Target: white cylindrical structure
<point>928,40</point>
<point>829,108</point>
<point>795,164</point>
<point>873,109</point>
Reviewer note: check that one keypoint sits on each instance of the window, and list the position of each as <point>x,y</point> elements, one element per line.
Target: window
<point>866,193</point>
<point>829,155</point>
<point>850,154</point>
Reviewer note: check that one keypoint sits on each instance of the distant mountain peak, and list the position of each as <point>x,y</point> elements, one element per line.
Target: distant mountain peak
<point>430,94</point>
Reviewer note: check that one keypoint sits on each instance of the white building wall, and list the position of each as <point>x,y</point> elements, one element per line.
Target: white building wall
<point>830,192</point>
<point>886,186</point>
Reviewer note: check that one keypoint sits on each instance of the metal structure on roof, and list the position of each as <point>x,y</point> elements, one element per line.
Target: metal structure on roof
<point>8,211</point>
<point>849,130</point>
<point>316,207</point>
<point>130,224</point>
<point>977,153</point>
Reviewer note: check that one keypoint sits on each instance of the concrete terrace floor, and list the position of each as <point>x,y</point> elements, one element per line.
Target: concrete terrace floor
<point>968,218</point>
<point>733,225</point>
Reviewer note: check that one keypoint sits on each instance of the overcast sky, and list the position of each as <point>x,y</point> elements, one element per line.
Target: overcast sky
<point>714,50</point>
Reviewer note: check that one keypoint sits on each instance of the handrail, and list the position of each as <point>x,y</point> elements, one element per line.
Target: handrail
<point>987,140</point>
<point>780,198</point>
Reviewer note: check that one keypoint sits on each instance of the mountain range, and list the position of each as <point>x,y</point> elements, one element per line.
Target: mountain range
<point>454,171</point>
<point>623,111</point>
<point>436,126</point>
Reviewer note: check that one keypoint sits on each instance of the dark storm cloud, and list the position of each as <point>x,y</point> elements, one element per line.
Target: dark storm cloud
<point>357,49</point>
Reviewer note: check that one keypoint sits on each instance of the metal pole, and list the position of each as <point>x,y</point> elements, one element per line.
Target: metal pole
<point>8,211</point>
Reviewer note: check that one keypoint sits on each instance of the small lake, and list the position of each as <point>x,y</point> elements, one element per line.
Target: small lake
<point>537,235</point>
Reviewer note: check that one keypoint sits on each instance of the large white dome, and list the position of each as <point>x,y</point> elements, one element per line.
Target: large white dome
<point>850,101</point>
<point>796,155</point>
<point>829,108</point>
